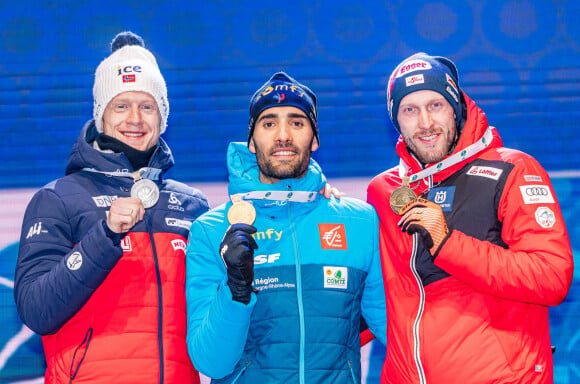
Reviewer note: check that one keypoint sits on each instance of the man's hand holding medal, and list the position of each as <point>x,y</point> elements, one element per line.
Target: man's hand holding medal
<point>419,216</point>
<point>426,218</point>
<point>237,250</point>
<point>124,213</point>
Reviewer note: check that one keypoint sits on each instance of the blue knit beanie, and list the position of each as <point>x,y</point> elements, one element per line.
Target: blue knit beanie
<point>424,72</point>
<point>282,90</point>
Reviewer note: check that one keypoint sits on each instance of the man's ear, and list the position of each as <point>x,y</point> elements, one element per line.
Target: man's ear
<point>314,146</point>
<point>252,146</point>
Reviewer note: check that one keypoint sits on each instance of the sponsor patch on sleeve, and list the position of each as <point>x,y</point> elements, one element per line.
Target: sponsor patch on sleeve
<point>545,217</point>
<point>74,261</point>
<point>533,178</point>
<point>536,194</point>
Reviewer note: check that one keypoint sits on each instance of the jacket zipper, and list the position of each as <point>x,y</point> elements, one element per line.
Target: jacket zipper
<point>86,341</point>
<point>352,376</point>
<point>302,379</point>
<point>160,304</point>
<point>417,322</point>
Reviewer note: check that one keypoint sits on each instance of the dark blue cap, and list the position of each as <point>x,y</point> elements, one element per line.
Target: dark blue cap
<point>424,72</point>
<point>279,91</point>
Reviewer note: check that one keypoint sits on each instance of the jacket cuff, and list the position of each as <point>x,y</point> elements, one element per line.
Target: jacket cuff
<point>114,236</point>
<point>441,245</point>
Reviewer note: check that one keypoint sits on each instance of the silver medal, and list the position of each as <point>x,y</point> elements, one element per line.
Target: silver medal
<point>147,191</point>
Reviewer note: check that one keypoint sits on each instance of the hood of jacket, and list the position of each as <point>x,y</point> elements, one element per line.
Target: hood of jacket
<point>474,128</point>
<point>84,155</point>
<point>244,174</point>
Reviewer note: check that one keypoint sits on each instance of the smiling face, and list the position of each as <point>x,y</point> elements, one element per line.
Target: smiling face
<point>283,141</point>
<point>427,123</point>
<point>133,118</point>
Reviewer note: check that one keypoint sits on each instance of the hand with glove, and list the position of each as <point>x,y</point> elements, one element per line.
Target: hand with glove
<point>237,252</point>
<point>426,218</point>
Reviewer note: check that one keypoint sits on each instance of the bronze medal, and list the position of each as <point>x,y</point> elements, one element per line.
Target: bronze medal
<point>401,196</point>
<point>242,212</point>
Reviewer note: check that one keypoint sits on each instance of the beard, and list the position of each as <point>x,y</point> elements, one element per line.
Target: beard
<point>430,154</point>
<point>295,168</point>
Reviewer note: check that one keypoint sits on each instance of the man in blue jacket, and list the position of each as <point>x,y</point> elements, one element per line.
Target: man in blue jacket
<point>278,278</point>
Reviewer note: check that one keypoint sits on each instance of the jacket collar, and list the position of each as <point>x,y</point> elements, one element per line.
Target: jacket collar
<point>244,175</point>
<point>84,155</point>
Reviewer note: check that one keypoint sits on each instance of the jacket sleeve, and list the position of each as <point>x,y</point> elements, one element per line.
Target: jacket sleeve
<point>373,300</point>
<point>537,265</point>
<point>217,326</point>
<point>54,277</point>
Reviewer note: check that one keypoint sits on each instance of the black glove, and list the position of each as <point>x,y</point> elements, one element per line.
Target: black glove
<point>237,251</point>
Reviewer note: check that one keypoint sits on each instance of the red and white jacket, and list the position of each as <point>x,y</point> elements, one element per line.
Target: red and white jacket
<point>478,311</point>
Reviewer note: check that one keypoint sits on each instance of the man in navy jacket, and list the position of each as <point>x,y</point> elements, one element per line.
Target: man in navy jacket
<point>100,271</point>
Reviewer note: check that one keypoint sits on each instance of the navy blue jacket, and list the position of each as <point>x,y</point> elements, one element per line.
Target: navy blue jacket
<point>75,283</point>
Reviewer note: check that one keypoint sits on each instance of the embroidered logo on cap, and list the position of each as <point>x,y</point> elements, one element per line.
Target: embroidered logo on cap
<point>413,65</point>
<point>451,83</point>
<point>415,79</point>
<point>451,88</point>
<point>332,236</point>
<point>128,78</point>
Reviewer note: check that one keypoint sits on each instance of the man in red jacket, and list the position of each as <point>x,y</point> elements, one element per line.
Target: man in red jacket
<point>473,242</point>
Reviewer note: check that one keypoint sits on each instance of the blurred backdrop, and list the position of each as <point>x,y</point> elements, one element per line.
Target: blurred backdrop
<point>519,60</point>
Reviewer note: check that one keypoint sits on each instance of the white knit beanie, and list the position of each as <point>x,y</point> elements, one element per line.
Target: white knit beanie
<point>130,67</point>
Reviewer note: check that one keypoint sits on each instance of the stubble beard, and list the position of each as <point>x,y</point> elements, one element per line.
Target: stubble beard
<point>429,155</point>
<point>293,169</point>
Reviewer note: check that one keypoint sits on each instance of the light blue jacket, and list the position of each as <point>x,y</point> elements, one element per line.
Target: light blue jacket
<point>317,270</point>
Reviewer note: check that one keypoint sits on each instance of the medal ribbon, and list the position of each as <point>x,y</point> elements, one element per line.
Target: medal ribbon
<point>474,148</point>
<point>294,196</point>
<point>143,173</point>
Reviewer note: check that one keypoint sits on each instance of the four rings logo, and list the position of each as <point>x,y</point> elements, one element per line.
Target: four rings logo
<point>536,194</point>
<point>537,191</point>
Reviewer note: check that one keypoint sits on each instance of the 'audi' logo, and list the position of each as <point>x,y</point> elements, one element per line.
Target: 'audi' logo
<point>537,191</point>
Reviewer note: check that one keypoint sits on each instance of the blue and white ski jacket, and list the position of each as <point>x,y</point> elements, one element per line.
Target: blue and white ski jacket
<point>317,271</point>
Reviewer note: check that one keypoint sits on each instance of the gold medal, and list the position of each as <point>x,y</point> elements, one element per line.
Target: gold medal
<point>401,196</point>
<point>241,212</point>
